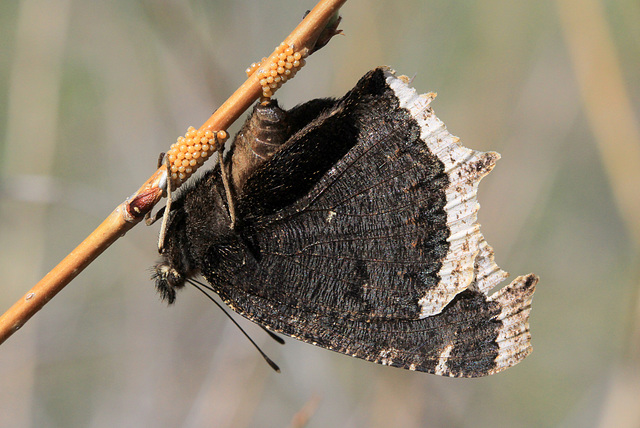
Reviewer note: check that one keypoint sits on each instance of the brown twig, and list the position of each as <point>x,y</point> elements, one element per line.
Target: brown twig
<point>130,212</point>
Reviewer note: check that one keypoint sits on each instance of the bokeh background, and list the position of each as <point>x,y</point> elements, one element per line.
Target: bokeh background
<point>91,92</point>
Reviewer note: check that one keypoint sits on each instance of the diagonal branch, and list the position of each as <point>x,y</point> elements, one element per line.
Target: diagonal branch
<point>308,34</point>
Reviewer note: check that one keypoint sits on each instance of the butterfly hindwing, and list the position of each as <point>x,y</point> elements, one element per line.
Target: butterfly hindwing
<point>359,235</point>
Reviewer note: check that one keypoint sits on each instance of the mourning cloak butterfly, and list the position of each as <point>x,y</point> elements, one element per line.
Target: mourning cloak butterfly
<point>356,230</point>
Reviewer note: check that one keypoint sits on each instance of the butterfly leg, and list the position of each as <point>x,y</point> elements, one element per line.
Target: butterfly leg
<point>224,172</point>
<point>167,209</point>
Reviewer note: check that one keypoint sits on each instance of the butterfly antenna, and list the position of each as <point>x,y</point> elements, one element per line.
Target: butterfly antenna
<point>272,335</point>
<point>269,361</point>
<point>269,332</point>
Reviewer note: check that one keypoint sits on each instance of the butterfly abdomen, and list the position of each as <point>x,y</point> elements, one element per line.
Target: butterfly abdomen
<point>261,136</point>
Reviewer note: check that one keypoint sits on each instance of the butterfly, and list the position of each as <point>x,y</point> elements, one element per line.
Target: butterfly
<point>351,224</point>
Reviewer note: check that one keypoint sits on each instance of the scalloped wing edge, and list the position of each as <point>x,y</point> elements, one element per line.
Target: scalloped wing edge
<point>469,263</point>
<point>465,168</point>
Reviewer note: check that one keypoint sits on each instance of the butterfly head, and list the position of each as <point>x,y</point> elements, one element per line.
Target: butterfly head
<point>168,280</point>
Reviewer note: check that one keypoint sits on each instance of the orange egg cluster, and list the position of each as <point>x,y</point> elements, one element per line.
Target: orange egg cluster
<point>189,152</point>
<point>275,73</point>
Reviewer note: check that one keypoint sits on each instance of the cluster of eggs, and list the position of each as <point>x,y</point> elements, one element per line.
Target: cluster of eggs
<point>189,152</point>
<point>272,75</point>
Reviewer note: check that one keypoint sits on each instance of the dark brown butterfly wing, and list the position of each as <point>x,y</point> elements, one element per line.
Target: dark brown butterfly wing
<point>360,236</point>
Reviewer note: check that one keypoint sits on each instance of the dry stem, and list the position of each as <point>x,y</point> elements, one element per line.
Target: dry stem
<point>130,212</point>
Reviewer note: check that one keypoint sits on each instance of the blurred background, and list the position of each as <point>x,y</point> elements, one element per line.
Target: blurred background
<point>92,92</point>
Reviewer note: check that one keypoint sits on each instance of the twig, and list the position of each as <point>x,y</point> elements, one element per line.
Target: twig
<point>132,211</point>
